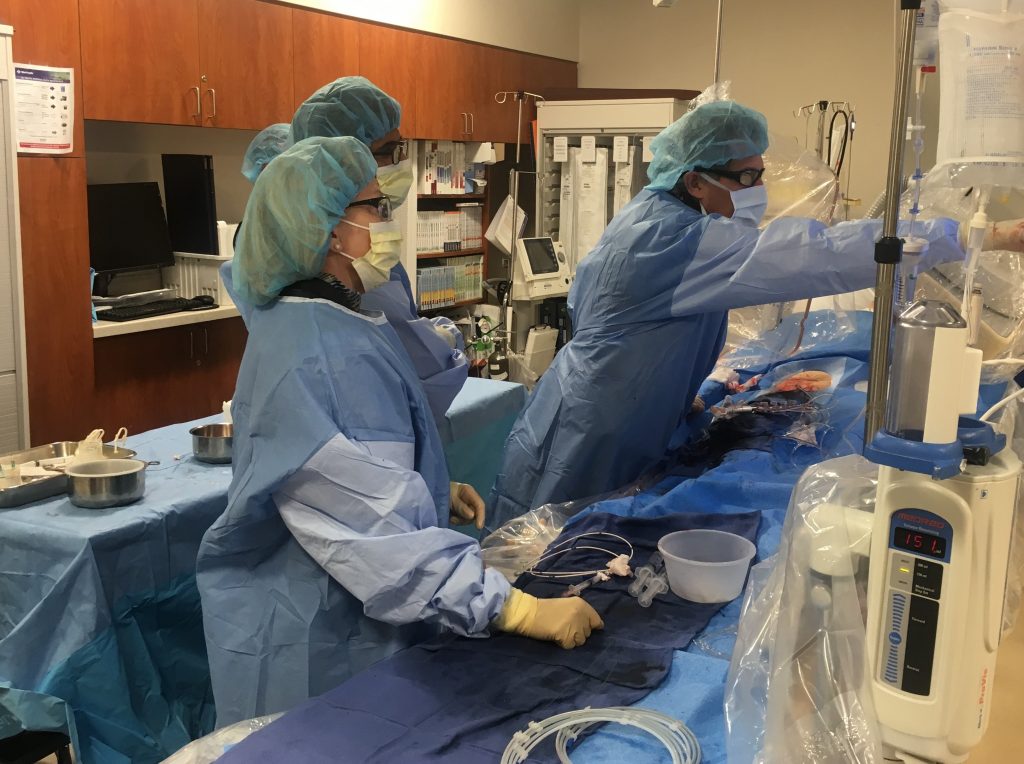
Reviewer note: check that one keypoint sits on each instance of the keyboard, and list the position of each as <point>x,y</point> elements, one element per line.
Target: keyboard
<point>158,308</point>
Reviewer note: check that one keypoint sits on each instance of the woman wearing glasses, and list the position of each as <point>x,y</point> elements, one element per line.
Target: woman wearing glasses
<point>334,551</point>
<point>650,304</point>
<point>354,106</point>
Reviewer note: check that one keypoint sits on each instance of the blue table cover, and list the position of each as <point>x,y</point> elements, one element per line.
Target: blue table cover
<point>101,633</point>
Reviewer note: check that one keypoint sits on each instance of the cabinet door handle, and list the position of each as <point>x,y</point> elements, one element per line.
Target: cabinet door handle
<point>472,123</point>
<point>206,341</point>
<point>213,103</point>
<point>199,104</point>
<point>191,345</point>
<point>465,122</point>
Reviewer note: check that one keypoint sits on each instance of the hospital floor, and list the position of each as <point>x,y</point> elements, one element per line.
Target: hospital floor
<point>1003,740</point>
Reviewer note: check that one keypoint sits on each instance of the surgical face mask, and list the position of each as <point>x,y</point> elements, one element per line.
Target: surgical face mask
<point>374,268</point>
<point>748,204</point>
<point>395,180</point>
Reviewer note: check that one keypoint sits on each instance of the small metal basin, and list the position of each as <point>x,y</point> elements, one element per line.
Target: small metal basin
<point>106,483</point>
<point>212,443</point>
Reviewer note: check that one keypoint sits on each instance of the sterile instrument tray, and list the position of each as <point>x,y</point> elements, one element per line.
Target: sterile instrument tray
<point>26,490</point>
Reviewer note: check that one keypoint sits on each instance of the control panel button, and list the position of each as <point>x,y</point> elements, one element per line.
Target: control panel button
<point>927,579</point>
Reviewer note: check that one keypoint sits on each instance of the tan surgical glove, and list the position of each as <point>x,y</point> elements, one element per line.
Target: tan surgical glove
<point>565,620</point>
<point>1006,234</point>
<point>466,506</point>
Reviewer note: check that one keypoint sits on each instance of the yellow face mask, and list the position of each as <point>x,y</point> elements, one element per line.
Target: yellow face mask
<point>395,181</point>
<point>374,268</point>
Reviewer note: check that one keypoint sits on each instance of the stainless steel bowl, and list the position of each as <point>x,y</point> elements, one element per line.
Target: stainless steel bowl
<point>106,483</point>
<point>212,443</point>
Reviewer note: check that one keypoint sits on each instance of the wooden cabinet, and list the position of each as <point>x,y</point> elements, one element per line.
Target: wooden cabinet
<point>443,105</point>
<point>46,32</point>
<point>58,324</point>
<point>513,71</point>
<point>140,60</point>
<point>494,70</point>
<point>153,378</point>
<point>393,60</point>
<point>245,55</point>
<point>324,47</point>
<point>457,82</point>
<point>217,63</point>
<point>225,63</point>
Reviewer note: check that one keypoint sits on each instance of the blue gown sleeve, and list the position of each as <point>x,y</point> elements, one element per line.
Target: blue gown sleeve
<point>791,259</point>
<point>363,513</point>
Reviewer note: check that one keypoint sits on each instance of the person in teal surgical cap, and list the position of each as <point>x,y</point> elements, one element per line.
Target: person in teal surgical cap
<point>334,549</point>
<point>268,143</point>
<point>356,107</point>
<point>650,306</point>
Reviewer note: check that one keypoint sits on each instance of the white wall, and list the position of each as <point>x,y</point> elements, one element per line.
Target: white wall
<point>546,27</point>
<point>779,55</point>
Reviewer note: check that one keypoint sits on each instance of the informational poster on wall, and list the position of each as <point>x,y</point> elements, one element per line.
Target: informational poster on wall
<point>44,103</point>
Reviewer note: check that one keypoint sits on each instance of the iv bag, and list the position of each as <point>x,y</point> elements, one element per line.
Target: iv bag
<point>981,108</point>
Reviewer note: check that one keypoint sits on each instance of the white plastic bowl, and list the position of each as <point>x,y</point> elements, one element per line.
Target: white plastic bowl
<point>705,565</point>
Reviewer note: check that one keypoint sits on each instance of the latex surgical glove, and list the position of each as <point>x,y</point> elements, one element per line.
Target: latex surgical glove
<point>1006,234</point>
<point>447,331</point>
<point>567,621</point>
<point>466,506</point>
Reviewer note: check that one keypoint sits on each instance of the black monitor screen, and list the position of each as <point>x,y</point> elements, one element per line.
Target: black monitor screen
<point>127,228</point>
<point>541,254</point>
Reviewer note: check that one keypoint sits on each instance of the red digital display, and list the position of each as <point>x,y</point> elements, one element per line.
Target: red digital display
<point>920,543</point>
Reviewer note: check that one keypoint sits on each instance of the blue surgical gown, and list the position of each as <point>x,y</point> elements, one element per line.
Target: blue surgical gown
<point>441,365</point>
<point>649,310</point>
<point>333,551</point>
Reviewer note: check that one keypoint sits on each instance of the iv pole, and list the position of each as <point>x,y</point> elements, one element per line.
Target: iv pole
<point>889,249</point>
<point>718,41</point>
<point>513,184</point>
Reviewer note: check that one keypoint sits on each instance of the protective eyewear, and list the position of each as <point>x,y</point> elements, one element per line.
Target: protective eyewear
<point>380,203</point>
<point>745,178</point>
<point>393,152</point>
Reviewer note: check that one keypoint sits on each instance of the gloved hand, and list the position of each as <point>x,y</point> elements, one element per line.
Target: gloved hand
<point>566,620</point>
<point>446,329</point>
<point>466,506</point>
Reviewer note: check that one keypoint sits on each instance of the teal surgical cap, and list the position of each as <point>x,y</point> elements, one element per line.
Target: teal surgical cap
<point>711,135</point>
<point>348,106</point>
<point>268,143</point>
<point>296,203</point>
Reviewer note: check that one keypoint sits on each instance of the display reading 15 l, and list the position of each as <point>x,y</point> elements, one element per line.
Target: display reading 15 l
<point>921,543</point>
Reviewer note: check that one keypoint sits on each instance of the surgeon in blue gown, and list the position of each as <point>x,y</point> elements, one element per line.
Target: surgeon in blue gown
<point>334,551</point>
<point>649,308</point>
<point>355,106</point>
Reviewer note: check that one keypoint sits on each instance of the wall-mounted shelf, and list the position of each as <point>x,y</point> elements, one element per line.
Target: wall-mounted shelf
<point>476,197</point>
<point>461,304</point>
<point>453,253</point>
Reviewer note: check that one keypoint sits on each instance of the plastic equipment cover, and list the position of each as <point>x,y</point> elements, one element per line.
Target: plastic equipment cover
<point>1000,271</point>
<point>796,690</point>
<point>517,544</point>
<point>209,748</point>
<point>799,184</point>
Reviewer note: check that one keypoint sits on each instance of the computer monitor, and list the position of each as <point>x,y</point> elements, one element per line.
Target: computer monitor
<point>191,203</point>
<point>127,229</point>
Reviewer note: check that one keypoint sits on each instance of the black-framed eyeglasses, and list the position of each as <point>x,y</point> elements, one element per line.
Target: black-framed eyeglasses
<point>395,152</point>
<point>745,178</point>
<point>380,203</point>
